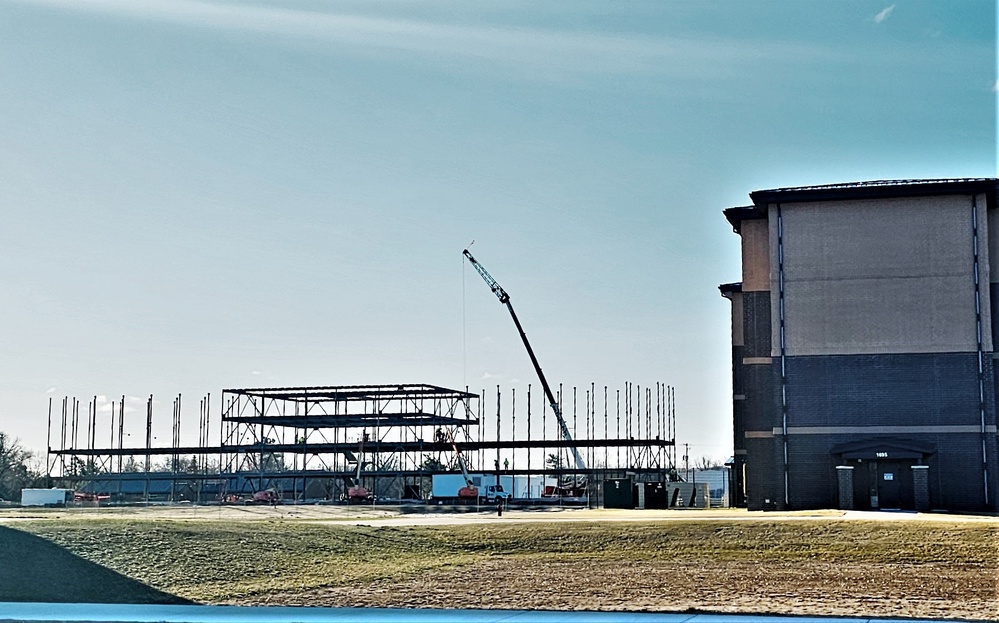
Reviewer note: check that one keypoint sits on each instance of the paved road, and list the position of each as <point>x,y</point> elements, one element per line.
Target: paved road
<point>602,515</point>
<point>87,613</point>
<point>389,516</point>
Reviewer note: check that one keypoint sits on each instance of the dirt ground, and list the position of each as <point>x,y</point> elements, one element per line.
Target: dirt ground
<point>933,584</point>
<point>816,589</point>
<point>940,590</point>
<point>810,588</point>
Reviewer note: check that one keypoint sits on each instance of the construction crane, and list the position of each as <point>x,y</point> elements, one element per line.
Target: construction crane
<point>504,298</point>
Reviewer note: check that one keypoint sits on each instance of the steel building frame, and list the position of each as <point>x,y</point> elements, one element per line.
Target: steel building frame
<point>306,442</point>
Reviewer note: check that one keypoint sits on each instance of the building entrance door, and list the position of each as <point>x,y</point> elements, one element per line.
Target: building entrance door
<point>882,471</point>
<point>865,492</point>
<point>895,485</point>
<point>883,484</point>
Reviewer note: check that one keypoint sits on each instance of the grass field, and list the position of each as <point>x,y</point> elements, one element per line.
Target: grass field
<point>818,566</point>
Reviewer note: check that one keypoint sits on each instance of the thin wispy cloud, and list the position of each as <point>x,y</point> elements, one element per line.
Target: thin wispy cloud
<point>546,50</point>
<point>500,379</point>
<point>995,87</point>
<point>883,14</point>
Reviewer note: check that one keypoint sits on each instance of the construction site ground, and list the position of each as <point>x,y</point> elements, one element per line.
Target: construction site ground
<point>722,561</point>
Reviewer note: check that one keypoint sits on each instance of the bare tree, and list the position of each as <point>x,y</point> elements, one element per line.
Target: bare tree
<point>554,461</point>
<point>18,468</point>
<point>432,464</point>
<point>707,462</point>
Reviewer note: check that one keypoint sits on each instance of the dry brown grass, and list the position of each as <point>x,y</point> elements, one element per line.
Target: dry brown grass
<point>818,566</point>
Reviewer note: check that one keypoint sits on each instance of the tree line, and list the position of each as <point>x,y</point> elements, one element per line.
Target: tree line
<point>20,468</point>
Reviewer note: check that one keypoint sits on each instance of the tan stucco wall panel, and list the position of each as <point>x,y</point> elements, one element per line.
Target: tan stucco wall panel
<point>879,276</point>
<point>755,256</point>
<point>878,316</point>
<point>885,238</point>
<point>774,281</point>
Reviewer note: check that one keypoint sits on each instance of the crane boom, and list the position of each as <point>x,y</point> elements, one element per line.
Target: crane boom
<point>461,464</point>
<point>505,299</point>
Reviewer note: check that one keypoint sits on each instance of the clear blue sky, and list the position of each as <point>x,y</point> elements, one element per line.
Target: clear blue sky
<point>208,194</point>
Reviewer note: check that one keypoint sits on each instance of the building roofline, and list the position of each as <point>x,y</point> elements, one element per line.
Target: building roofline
<point>728,289</point>
<point>876,189</point>
<point>737,215</point>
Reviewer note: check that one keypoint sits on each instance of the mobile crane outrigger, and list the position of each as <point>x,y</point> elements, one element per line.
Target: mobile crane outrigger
<point>572,486</point>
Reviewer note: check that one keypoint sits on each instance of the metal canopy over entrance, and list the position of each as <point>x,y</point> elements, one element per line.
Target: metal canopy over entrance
<point>886,448</point>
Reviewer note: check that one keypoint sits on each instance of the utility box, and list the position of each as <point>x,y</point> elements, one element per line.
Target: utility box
<point>46,497</point>
<point>655,495</point>
<point>618,494</point>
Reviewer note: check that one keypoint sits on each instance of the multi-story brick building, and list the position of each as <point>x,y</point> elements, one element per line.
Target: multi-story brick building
<point>862,344</point>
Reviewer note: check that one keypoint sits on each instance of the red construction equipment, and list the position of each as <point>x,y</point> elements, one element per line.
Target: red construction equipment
<point>356,493</point>
<point>469,491</point>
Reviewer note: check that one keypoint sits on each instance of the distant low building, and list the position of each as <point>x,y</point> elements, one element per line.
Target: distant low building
<point>717,479</point>
<point>863,344</point>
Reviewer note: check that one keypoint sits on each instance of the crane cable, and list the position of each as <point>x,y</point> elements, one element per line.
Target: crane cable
<point>464,322</point>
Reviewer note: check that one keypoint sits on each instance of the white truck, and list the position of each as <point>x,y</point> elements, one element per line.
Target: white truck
<point>46,497</point>
<point>448,487</point>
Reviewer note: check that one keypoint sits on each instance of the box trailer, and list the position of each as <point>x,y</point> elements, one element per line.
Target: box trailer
<point>46,497</point>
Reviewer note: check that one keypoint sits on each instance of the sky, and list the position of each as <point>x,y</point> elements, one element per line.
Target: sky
<point>200,194</point>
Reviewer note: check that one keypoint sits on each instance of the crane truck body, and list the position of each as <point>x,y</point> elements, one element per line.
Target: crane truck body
<point>468,490</point>
<point>447,488</point>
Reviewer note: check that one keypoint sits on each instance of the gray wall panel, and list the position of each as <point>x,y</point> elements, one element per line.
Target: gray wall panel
<point>985,269</point>
<point>993,246</point>
<point>756,322</point>
<point>883,390</point>
<point>956,479</point>
<point>760,410</point>
<point>738,320</point>
<point>738,396</point>
<point>916,390</point>
<point>762,475</point>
